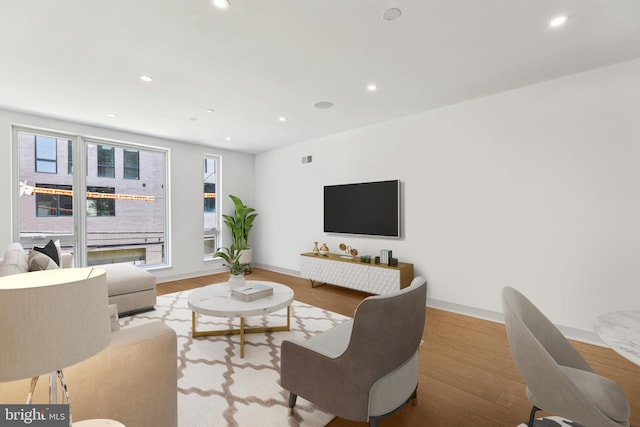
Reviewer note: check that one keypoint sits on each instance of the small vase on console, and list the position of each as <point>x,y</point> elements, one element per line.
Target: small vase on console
<point>316,251</point>
<point>324,249</point>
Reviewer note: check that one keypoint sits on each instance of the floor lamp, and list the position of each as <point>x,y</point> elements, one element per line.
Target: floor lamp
<point>50,320</point>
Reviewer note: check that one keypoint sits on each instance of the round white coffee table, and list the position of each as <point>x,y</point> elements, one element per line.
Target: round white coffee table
<point>215,300</point>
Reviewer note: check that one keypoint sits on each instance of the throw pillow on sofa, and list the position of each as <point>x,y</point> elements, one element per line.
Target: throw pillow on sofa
<point>51,251</point>
<point>39,261</point>
<point>15,260</point>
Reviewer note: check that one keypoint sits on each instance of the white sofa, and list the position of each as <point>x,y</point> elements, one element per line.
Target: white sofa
<point>131,288</point>
<point>133,380</point>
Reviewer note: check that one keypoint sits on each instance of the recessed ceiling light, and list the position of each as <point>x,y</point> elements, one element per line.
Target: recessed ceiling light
<point>323,105</point>
<point>282,118</point>
<point>372,87</point>
<point>391,14</point>
<point>221,4</point>
<point>228,138</point>
<point>558,21</point>
<point>112,115</point>
<point>145,78</point>
<point>209,110</point>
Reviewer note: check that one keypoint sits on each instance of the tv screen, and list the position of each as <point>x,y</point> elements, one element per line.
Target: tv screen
<point>369,208</point>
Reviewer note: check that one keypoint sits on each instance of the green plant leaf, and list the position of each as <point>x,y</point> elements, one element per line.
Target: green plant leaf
<point>241,223</point>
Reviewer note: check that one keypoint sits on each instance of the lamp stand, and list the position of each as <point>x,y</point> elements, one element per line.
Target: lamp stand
<point>54,377</point>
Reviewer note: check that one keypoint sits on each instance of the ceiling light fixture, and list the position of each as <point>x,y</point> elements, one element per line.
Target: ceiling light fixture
<point>558,21</point>
<point>228,138</point>
<point>221,4</point>
<point>391,14</point>
<point>323,105</point>
<point>112,115</point>
<point>372,87</point>
<point>146,78</point>
<point>209,110</point>
<point>282,118</point>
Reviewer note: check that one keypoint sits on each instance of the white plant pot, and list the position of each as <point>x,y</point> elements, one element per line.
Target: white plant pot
<point>236,281</point>
<point>246,255</point>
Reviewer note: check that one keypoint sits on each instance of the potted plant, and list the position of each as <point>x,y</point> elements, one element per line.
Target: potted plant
<point>237,268</point>
<point>239,225</point>
<point>235,256</point>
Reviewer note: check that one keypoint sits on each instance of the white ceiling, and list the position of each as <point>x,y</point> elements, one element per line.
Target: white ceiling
<point>258,60</point>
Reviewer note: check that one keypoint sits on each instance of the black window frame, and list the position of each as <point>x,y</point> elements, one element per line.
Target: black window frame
<point>39,160</point>
<point>69,157</point>
<point>62,205</point>
<point>104,207</point>
<point>106,164</point>
<point>209,202</point>
<point>131,170</point>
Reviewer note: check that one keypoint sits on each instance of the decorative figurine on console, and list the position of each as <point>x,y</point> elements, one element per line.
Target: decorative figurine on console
<point>348,250</point>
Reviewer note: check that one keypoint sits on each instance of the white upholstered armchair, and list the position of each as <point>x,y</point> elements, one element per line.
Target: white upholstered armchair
<point>365,368</point>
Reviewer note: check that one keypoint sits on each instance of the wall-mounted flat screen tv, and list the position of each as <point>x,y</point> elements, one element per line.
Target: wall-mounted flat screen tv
<point>368,208</point>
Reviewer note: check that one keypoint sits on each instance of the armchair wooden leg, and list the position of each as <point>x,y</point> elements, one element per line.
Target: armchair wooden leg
<point>292,402</point>
<point>532,416</point>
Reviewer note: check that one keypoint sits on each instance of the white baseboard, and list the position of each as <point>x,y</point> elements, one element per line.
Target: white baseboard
<point>581,335</point>
<point>466,310</point>
<point>277,269</point>
<point>220,269</point>
<point>191,274</point>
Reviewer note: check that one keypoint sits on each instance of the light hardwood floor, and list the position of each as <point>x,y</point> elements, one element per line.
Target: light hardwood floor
<point>467,377</point>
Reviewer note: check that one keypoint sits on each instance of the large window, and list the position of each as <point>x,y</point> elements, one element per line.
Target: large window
<point>43,202</point>
<point>46,155</point>
<point>125,217</point>
<point>211,214</point>
<point>106,161</point>
<point>118,216</point>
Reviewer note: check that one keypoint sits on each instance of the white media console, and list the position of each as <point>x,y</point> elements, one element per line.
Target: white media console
<point>351,273</point>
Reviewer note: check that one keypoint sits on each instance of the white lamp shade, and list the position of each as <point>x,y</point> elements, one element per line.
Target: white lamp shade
<point>51,319</point>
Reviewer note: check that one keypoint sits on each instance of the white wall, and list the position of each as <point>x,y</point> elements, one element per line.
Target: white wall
<point>535,188</point>
<point>185,188</point>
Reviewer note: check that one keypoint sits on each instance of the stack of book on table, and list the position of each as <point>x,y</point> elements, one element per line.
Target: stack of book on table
<point>252,292</point>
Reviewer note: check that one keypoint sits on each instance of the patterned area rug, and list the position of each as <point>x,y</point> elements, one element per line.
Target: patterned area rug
<point>217,388</point>
<point>552,422</point>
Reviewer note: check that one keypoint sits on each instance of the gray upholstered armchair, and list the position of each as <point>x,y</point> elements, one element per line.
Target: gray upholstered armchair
<point>558,379</point>
<point>365,368</point>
